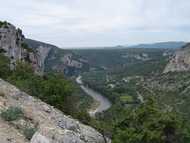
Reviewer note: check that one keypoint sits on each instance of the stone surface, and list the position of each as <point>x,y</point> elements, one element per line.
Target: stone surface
<point>11,44</point>
<point>8,134</point>
<point>180,61</point>
<point>53,126</point>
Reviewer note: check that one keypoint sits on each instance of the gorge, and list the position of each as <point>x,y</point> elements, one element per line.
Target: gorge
<point>102,103</point>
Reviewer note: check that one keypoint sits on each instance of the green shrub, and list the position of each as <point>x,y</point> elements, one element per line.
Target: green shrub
<point>29,132</point>
<point>4,66</point>
<point>12,114</point>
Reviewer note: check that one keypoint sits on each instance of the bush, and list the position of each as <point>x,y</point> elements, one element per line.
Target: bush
<point>12,114</point>
<point>4,66</point>
<point>29,132</point>
<point>151,124</point>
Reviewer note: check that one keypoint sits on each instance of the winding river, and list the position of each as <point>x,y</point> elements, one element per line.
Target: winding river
<point>103,102</point>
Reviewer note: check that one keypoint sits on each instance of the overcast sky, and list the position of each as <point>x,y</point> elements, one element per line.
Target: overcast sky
<point>73,23</point>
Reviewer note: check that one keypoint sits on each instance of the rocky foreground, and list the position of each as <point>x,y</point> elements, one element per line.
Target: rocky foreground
<point>52,126</point>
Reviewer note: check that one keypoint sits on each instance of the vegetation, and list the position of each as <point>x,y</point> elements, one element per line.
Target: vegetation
<point>159,119</point>
<point>127,61</point>
<point>29,132</point>
<point>3,24</point>
<point>53,89</point>
<point>4,66</point>
<point>12,114</point>
<point>25,46</point>
<point>127,83</point>
<point>148,123</point>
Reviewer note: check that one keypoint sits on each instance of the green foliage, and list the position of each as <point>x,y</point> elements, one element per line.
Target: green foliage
<point>4,24</point>
<point>125,61</point>
<point>150,124</point>
<point>25,46</point>
<point>127,120</point>
<point>12,114</point>
<point>126,99</point>
<point>22,71</point>
<point>4,66</point>
<point>54,89</point>
<point>29,132</point>
<point>51,88</point>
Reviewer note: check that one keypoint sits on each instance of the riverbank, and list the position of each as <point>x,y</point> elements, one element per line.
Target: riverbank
<point>101,103</point>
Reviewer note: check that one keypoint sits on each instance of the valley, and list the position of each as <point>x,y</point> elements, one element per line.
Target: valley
<point>129,77</point>
<point>127,94</point>
<point>101,103</point>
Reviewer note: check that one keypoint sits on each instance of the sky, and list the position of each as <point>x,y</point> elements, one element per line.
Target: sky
<point>91,23</point>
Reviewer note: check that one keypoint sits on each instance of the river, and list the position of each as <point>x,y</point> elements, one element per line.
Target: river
<point>103,102</point>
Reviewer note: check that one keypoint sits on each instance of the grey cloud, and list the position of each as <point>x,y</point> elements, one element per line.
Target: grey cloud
<point>99,22</point>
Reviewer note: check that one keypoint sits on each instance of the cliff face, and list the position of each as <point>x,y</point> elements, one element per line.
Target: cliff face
<point>42,56</point>
<point>180,61</point>
<point>42,51</point>
<point>55,59</point>
<point>65,61</point>
<point>13,46</point>
<point>52,126</point>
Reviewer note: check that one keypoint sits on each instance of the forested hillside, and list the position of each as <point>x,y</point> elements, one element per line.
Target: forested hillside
<point>147,104</point>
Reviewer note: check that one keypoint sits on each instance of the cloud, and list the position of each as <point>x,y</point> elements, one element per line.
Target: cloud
<point>99,22</point>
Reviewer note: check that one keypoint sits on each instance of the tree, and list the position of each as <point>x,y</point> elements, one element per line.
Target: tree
<point>4,66</point>
<point>150,124</point>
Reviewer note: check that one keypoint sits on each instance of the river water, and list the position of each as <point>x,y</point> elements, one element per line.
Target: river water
<point>103,102</point>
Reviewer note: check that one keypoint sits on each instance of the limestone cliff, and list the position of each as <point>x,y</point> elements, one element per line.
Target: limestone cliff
<point>42,56</point>
<point>51,124</point>
<point>56,59</point>
<point>180,61</point>
<point>13,46</point>
<point>42,50</point>
<point>65,61</point>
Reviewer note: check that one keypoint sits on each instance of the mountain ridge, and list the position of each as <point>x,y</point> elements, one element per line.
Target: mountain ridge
<point>169,44</point>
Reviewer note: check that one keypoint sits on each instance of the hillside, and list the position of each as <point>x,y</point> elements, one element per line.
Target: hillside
<point>160,45</point>
<point>129,78</point>
<point>65,61</point>
<point>126,61</point>
<point>25,118</point>
<point>49,124</point>
<point>147,105</point>
<point>55,59</point>
<point>180,61</point>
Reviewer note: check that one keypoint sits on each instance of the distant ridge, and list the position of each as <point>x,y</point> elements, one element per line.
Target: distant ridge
<point>35,44</point>
<point>171,44</point>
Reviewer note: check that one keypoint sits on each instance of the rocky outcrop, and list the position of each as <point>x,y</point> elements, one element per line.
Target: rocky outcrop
<point>42,51</point>
<point>180,61</point>
<point>13,46</point>
<point>42,56</point>
<point>65,61</point>
<point>52,125</point>
<point>52,58</point>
